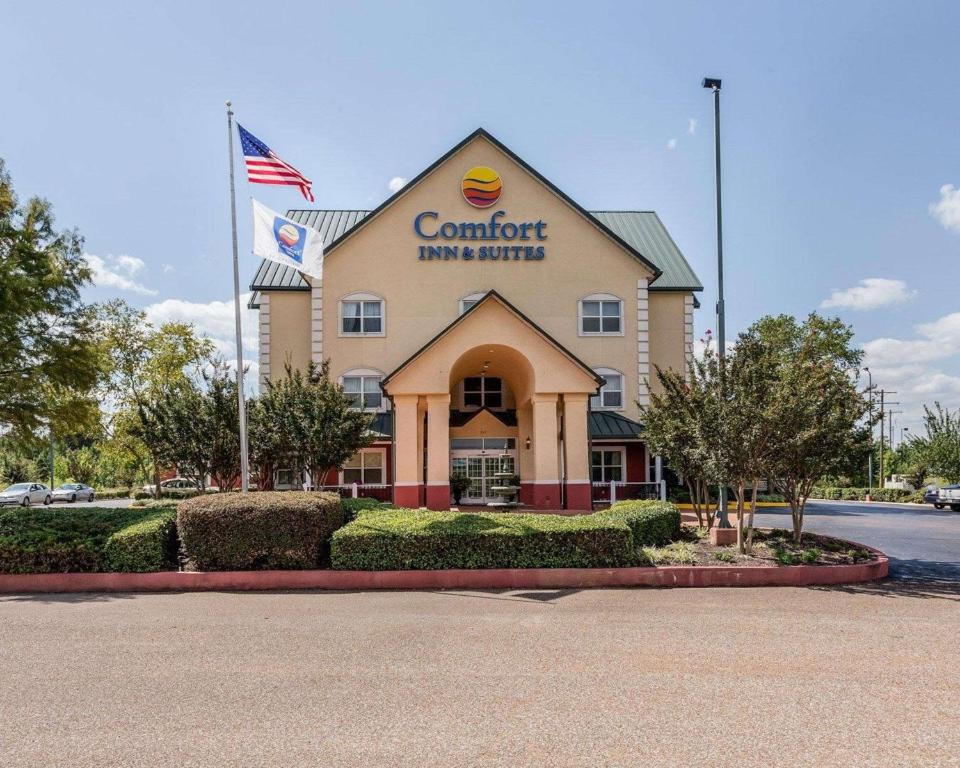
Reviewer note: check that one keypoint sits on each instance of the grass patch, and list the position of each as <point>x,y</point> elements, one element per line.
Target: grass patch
<point>725,557</point>
<point>87,539</point>
<point>675,553</point>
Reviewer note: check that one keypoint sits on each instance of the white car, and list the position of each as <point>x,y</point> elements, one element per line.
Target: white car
<point>173,484</point>
<point>26,494</point>
<point>73,492</point>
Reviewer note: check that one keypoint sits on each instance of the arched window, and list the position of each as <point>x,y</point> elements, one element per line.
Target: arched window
<point>611,393</point>
<point>468,301</point>
<point>362,314</point>
<point>362,386</point>
<point>600,314</point>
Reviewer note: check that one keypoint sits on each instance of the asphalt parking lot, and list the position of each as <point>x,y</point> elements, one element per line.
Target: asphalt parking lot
<point>862,675</point>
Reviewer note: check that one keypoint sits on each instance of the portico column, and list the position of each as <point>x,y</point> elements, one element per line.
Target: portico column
<point>575,446</point>
<point>546,484</point>
<point>438,451</point>
<point>406,480</point>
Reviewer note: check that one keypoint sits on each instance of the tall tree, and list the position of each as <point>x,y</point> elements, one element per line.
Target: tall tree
<point>49,361</point>
<point>941,445</point>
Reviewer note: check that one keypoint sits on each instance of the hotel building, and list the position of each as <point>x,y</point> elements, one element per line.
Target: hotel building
<point>492,326</point>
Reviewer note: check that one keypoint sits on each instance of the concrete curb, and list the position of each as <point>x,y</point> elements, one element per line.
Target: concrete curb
<point>505,578</point>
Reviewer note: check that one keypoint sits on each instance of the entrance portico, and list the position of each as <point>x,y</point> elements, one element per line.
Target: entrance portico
<point>548,387</point>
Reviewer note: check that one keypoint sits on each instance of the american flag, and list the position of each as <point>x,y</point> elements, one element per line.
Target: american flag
<point>264,167</point>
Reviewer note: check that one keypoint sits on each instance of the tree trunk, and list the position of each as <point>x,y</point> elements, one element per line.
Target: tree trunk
<point>741,491</point>
<point>695,500</point>
<point>753,509</point>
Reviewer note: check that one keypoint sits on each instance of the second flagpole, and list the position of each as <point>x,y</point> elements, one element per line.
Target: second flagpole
<point>241,402</point>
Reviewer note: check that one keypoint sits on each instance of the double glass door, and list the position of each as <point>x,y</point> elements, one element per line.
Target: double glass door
<point>481,460</point>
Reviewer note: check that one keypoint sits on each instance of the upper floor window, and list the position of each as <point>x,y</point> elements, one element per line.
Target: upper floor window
<point>482,392</point>
<point>468,301</point>
<point>363,388</point>
<point>361,314</point>
<point>601,314</point>
<point>611,393</point>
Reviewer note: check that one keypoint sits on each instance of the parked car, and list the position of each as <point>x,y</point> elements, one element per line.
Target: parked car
<point>173,484</point>
<point>930,495</point>
<point>73,492</point>
<point>25,494</point>
<point>948,496</point>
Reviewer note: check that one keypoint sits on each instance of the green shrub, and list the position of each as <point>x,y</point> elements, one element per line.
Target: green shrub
<point>75,539</point>
<point>811,555</point>
<point>652,523</point>
<point>352,506</point>
<point>113,493</point>
<point>785,557</point>
<point>404,539</point>
<point>263,530</point>
<point>676,553</point>
<point>154,504</point>
<point>860,494</point>
<point>150,545</point>
<point>725,557</point>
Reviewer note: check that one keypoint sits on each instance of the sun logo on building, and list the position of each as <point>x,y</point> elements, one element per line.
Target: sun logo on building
<point>481,186</point>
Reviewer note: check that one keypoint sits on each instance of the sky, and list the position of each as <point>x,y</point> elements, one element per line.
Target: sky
<point>841,164</point>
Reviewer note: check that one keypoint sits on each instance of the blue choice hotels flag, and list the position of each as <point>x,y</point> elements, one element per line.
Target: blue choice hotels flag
<point>279,239</point>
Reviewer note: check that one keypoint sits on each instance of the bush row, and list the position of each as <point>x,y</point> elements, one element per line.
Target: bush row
<point>860,494</point>
<point>113,493</point>
<point>46,540</point>
<point>404,539</point>
<point>682,496</point>
<point>264,530</point>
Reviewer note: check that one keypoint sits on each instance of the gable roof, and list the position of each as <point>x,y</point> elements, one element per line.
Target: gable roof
<point>495,296</point>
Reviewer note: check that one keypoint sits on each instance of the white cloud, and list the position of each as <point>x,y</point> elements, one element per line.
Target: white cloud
<point>912,368</point>
<point>872,293</point>
<point>692,126</point>
<point>396,183</point>
<point>672,144</point>
<point>169,269</point>
<point>117,272</point>
<point>947,209</point>
<point>213,319</point>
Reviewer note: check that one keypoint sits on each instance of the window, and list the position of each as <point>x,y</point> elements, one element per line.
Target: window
<point>607,466</point>
<point>364,468</point>
<point>482,392</point>
<point>363,389</point>
<point>289,477</point>
<point>468,301</point>
<point>601,314</point>
<point>611,393</point>
<point>361,314</point>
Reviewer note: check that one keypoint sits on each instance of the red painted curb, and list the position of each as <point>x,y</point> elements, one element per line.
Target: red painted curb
<point>504,578</point>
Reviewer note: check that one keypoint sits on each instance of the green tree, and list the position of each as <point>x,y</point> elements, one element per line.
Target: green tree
<point>683,426</point>
<point>317,430</point>
<point>148,364</point>
<point>940,447</point>
<point>819,414</point>
<point>49,361</point>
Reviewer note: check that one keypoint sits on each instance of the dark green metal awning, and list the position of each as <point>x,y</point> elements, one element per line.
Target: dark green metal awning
<point>606,425</point>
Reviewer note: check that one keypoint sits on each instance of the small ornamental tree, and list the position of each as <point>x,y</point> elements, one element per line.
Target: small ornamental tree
<point>940,447</point>
<point>682,426</point>
<point>316,428</point>
<point>818,413</point>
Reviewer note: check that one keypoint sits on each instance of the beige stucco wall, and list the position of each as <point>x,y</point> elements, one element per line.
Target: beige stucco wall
<point>666,333</point>
<point>423,296</point>
<point>289,331</point>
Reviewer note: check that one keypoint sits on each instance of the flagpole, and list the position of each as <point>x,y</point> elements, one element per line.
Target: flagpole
<point>244,461</point>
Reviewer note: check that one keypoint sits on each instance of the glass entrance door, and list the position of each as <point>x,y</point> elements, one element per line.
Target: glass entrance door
<point>481,460</point>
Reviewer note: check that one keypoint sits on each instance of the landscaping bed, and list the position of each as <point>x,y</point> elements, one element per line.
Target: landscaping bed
<point>770,548</point>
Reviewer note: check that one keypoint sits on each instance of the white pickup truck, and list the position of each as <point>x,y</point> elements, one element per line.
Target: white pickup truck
<point>948,497</point>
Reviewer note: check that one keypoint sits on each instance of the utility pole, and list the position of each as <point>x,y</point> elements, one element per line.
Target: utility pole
<point>883,394</point>
<point>870,455</point>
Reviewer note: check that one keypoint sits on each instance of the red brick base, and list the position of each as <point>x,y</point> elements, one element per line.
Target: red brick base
<point>407,496</point>
<point>438,497</point>
<point>579,496</point>
<point>545,496</point>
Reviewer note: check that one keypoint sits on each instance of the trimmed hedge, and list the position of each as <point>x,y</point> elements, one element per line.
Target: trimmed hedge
<point>258,531</point>
<point>832,493</point>
<point>352,506</point>
<point>405,539</point>
<point>652,523</point>
<point>170,493</point>
<point>113,493</point>
<point>91,539</point>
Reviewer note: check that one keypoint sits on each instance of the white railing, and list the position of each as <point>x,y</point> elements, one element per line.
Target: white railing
<point>379,491</point>
<point>615,490</point>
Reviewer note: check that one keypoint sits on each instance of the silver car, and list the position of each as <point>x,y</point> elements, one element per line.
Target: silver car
<point>73,492</point>
<point>26,494</point>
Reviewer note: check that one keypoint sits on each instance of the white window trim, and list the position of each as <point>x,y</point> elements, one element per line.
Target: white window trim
<point>368,373</point>
<point>623,462</point>
<point>623,381</point>
<point>475,296</point>
<point>383,466</point>
<point>599,297</point>
<point>361,296</point>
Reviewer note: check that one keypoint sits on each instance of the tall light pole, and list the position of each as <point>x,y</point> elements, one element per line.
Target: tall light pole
<point>870,456</point>
<point>713,84</point>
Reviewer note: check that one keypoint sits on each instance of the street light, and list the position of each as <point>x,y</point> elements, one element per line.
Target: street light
<point>713,84</point>
<point>902,430</point>
<point>870,456</point>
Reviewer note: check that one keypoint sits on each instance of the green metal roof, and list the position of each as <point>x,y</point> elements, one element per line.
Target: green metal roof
<point>642,230</point>
<point>606,425</point>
